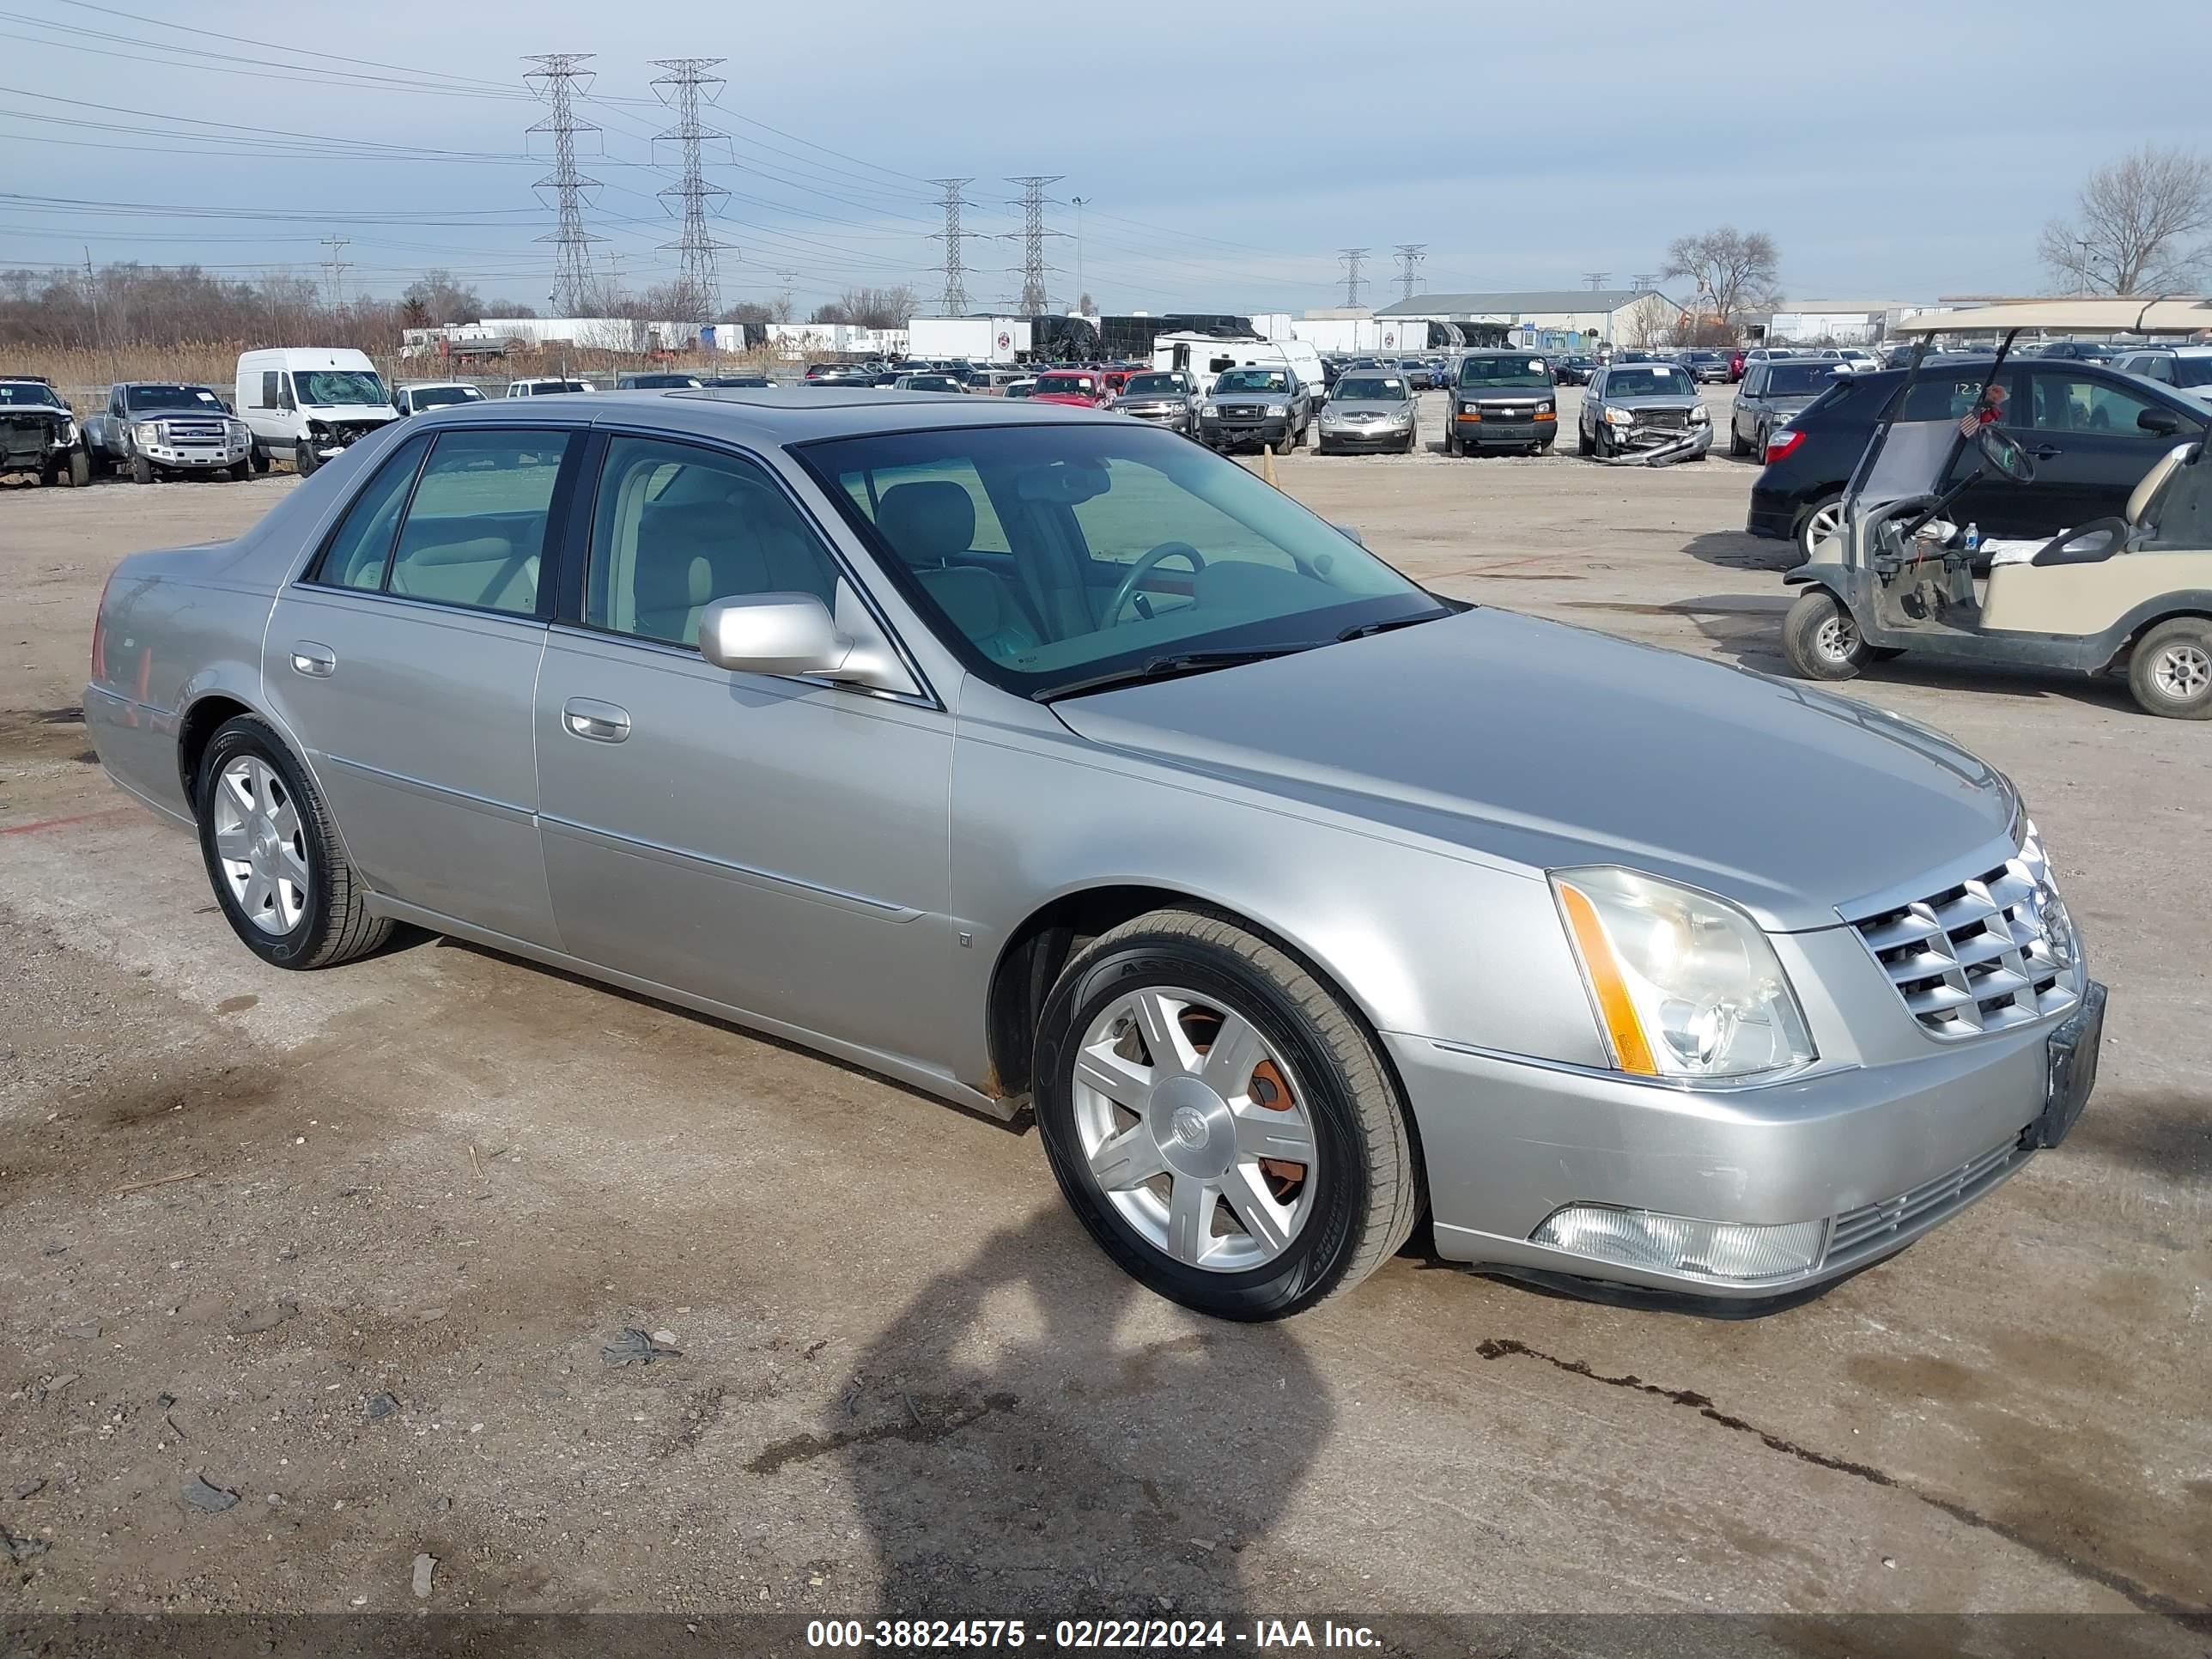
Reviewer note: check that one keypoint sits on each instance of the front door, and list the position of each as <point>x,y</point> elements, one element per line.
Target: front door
<point>406,665</point>
<point>779,846</point>
<point>2083,432</point>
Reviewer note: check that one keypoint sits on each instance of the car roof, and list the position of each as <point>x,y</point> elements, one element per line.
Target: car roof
<point>767,416</point>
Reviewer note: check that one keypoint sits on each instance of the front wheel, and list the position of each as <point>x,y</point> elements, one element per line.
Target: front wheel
<point>142,469</point>
<point>1218,1121</point>
<point>261,461</point>
<point>77,470</point>
<point>1821,639</point>
<point>304,460</point>
<point>242,471</point>
<point>1737,448</point>
<point>2171,671</point>
<point>272,853</point>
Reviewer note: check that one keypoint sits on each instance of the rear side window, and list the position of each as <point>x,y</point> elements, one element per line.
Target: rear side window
<point>474,531</point>
<point>269,388</point>
<point>358,552</point>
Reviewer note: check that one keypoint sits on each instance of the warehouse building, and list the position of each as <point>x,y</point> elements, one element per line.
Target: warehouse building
<point>1550,318</point>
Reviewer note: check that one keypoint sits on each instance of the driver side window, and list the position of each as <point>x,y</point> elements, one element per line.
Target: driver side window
<point>2066,403</point>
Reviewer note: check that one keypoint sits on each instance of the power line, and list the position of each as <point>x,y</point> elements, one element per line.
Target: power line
<point>686,78</point>
<point>956,285</point>
<point>558,74</point>
<point>1409,255</point>
<point>1351,258</point>
<point>1034,301</point>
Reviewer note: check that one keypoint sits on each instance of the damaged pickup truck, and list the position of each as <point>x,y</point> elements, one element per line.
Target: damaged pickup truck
<point>39,432</point>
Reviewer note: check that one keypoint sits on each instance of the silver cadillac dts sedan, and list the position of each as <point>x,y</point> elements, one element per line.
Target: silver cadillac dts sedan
<point>1046,761</point>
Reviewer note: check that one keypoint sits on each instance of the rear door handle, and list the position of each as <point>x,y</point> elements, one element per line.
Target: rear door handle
<point>596,721</point>
<point>316,662</point>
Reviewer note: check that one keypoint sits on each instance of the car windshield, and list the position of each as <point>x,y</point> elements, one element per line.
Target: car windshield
<point>1504,371</point>
<point>1798,379</point>
<point>932,383</point>
<point>1079,386</point>
<point>139,397</point>
<point>435,397</point>
<point>1369,388</point>
<point>1153,385</point>
<point>1648,381</point>
<point>337,388</point>
<point>26,394</point>
<point>1251,380</point>
<point>1049,556</point>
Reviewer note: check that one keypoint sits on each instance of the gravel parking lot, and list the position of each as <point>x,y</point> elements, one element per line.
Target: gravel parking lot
<point>352,1246</point>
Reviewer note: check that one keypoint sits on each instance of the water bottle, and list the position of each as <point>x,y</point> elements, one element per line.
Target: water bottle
<point>1973,538</point>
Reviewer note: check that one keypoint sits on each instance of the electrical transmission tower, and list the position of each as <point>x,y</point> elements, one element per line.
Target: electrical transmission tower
<point>337,268</point>
<point>1597,279</point>
<point>1644,281</point>
<point>679,89</point>
<point>559,76</point>
<point>956,283</point>
<point>1352,258</point>
<point>1409,255</point>
<point>1034,300</point>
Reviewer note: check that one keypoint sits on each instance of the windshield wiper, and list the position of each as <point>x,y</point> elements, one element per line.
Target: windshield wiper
<point>1171,667</point>
<point>1362,630</point>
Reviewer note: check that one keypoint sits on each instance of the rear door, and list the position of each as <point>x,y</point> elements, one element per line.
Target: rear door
<point>406,660</point>
<point>2083,428</point>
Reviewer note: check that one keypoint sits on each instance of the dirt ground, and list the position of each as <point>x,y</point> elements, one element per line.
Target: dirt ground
<point>352,1247</point>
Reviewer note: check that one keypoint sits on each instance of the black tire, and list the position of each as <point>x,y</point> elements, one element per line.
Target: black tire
<point>142,469</point>
<point>97,465</point>
<point>77,472</point>
<point>260,458</point>
<point>1582,444</point>
<point>1369,1188</point>
<point>1737,448</point>
<point>335,924</point>
<point>1817,625</point>
<point>304,460</point>
<point>2171,656</point>
<point>1451,437</point>
<point>241,471</point>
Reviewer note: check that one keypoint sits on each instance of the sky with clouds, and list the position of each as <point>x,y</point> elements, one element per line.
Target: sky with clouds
<point>1223,153</point>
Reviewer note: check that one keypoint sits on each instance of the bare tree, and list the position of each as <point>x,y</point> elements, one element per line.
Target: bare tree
<point>437,298</point>
<point>2140,226</point>
<point>868,308</point>
<point>1734,270</point>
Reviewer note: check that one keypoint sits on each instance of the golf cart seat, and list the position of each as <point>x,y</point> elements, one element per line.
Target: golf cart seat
<point>2100,538</point>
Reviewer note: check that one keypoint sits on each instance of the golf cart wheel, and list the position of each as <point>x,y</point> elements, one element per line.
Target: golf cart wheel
<point>1821,639</point>
<point>2171,671</point>
<point>1823,522</point>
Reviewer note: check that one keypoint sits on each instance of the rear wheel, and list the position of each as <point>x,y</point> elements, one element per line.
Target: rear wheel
<point>272,853</point>
<point>1582,439</point>
<point>1822,522</point>
<point>1219,1121</point>
<point>2171,671</point>
<point>1821,639</point>
<point>261,461</point>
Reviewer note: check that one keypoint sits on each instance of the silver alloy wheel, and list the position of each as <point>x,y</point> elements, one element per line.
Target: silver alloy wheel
<point>261,844</point>
<point>2182,670</point>
<point>1838,638</point>
<point>1825,523</point>
<point>1181,1105</point>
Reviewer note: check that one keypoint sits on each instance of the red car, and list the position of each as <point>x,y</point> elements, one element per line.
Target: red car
<point>1735,365</point>
<point>1085,388</point>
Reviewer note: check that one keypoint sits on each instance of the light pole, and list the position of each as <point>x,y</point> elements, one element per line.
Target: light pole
<point>1079,202</point>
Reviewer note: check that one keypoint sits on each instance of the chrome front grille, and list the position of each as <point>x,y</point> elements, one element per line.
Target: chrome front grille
<point>194,432</point>
<point>1866,1228</point>
<point>1993,951</point>
<point>1671,420</point>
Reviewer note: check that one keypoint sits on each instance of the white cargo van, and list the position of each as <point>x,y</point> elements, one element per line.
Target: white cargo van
<point>1205,355</point>
<point>304,403</point>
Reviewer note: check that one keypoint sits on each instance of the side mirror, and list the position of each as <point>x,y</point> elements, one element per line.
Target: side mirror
<point>2163,422</point>
<point>794,633</point>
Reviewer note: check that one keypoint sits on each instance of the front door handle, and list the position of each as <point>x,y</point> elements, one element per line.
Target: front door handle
<point>599,722</point>
<point>2047,451</point>
<point>316,662</point>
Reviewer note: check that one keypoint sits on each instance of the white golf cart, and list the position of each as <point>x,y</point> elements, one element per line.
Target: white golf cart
<point>2132,591</point>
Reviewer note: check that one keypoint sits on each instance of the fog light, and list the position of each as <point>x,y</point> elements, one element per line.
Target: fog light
<point>1732,1251</point>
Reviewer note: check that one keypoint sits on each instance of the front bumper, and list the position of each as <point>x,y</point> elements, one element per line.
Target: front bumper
<point>1170,417</point>
<point>1362,437</point>
<point>1631,440</point>
<point>1503,432</point>
<point>197,458</point>
<point>1878,1154</point>
<point>1228,435</point>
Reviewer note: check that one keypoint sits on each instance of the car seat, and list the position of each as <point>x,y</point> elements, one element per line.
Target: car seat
<point>928,525</point>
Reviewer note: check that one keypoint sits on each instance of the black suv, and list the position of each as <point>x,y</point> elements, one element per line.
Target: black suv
<point>2094,432</point>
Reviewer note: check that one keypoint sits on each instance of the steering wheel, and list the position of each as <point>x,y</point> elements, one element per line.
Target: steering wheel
<point>1143,567</point>
<point>2003,454</point>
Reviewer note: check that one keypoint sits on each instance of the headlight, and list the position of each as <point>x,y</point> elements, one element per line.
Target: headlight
<point>1547,407</point>
<point>1209,409</point>
<point>1279,409</point>
<point>1699,415</point>
<point>1329,418</point>
<point>147,432</point>
<point>1683,984</point>
<point>1619,418</point>
<point>237,431</point>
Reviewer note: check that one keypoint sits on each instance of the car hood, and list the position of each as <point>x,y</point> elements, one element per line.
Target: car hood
<point>1656,400</point>
<point>1551,746</point>
<point>40,412</point>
